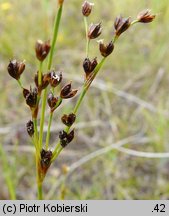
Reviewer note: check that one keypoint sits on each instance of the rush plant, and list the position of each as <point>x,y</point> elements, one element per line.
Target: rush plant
<point>43,92</point>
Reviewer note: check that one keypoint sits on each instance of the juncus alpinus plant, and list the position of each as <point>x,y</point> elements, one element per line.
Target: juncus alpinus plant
<point>42,93</point>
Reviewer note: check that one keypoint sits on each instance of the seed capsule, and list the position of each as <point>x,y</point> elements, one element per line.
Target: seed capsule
<point>42,49</point>
<point>15,69</point>
<point>87,8</point>
<point>68,120</point>
<point>65,138</point>
<point>30,128</point>
<point>94,31</point>
<point>52,101</point>
<point>145,16</point>
<point>55,79</point>
<point>89,66</point>
<point>67,91</point>
<point>107,49</point>
<point>121,25</point>
<point>45,81</point>
<point>46,156</point>
<point>30,97</point>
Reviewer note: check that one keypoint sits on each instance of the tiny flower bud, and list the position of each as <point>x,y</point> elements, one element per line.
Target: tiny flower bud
<point>30,97</point>
<point>107,49</point>
<point>15,69</point>
<point>145,16</point>
<point>30,128</point>
<point>42,49</point>
<point>121,25</point>
<point>89,66</point>
<point>94,31</point>
<point>55,79</point>
<point>87,8</point>
<point>68,120</point>
<point>52,101</point>
<point>65,138</point>
<point>67,91</point>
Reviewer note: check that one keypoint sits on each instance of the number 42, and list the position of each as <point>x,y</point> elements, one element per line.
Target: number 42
<point>159,208</point>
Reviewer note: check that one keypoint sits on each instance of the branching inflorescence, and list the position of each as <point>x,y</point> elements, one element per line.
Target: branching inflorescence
<point>43,91</point>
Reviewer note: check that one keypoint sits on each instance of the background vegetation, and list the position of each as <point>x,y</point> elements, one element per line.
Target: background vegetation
<point>128,104</point>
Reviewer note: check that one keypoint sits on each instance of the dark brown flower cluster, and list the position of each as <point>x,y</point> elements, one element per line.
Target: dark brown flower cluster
<point>45,162</point>
<point>121,24</point>
<point>51,79</point>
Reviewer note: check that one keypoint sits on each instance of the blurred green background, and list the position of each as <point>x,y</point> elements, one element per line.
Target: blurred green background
<point>128,100</point>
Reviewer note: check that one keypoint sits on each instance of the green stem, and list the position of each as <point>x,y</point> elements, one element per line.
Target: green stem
<point>87,38</point>
<point>42,120</point>
<point>55,35</point>
<point>38,177</point>
<point>40,73</point>
<point>35,133</point>
<point>134,22</point>
<point>20,84</point>
<point>54,39</point>
<point>7,172</point>
<point>40,192</point>
<point>84,90</point>
<point>48,132</point>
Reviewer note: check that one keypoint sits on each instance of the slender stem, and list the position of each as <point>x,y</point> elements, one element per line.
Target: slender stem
<point>42,120</point>
<point>54,39</point>
<point>7,172</point>
<point>57,151</point>
<point>48,132</point>
<point>40,73</point>
<point>40,192</point>
<point>20,84</point>
<point>55,35</point>
<point>35,133</point>
<point>80,100</point>
<point>134,22</point>
<point>87,38</point>
<point>38,178</point>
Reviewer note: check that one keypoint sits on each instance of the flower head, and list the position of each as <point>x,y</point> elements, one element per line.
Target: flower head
<point>121,25</point>
<point>15,69</point>
<point>68,120</point>
<point>65,138</point>
<point>42,49</point>
<point>94,30</point>
<point>30,128</point>
<point>89,66</point>
<point>145,16</point>
<point>87,8</point>
<point>55,79</point>
<point>67,91</point>
<point>31,97</point>
<point>106,49</point>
